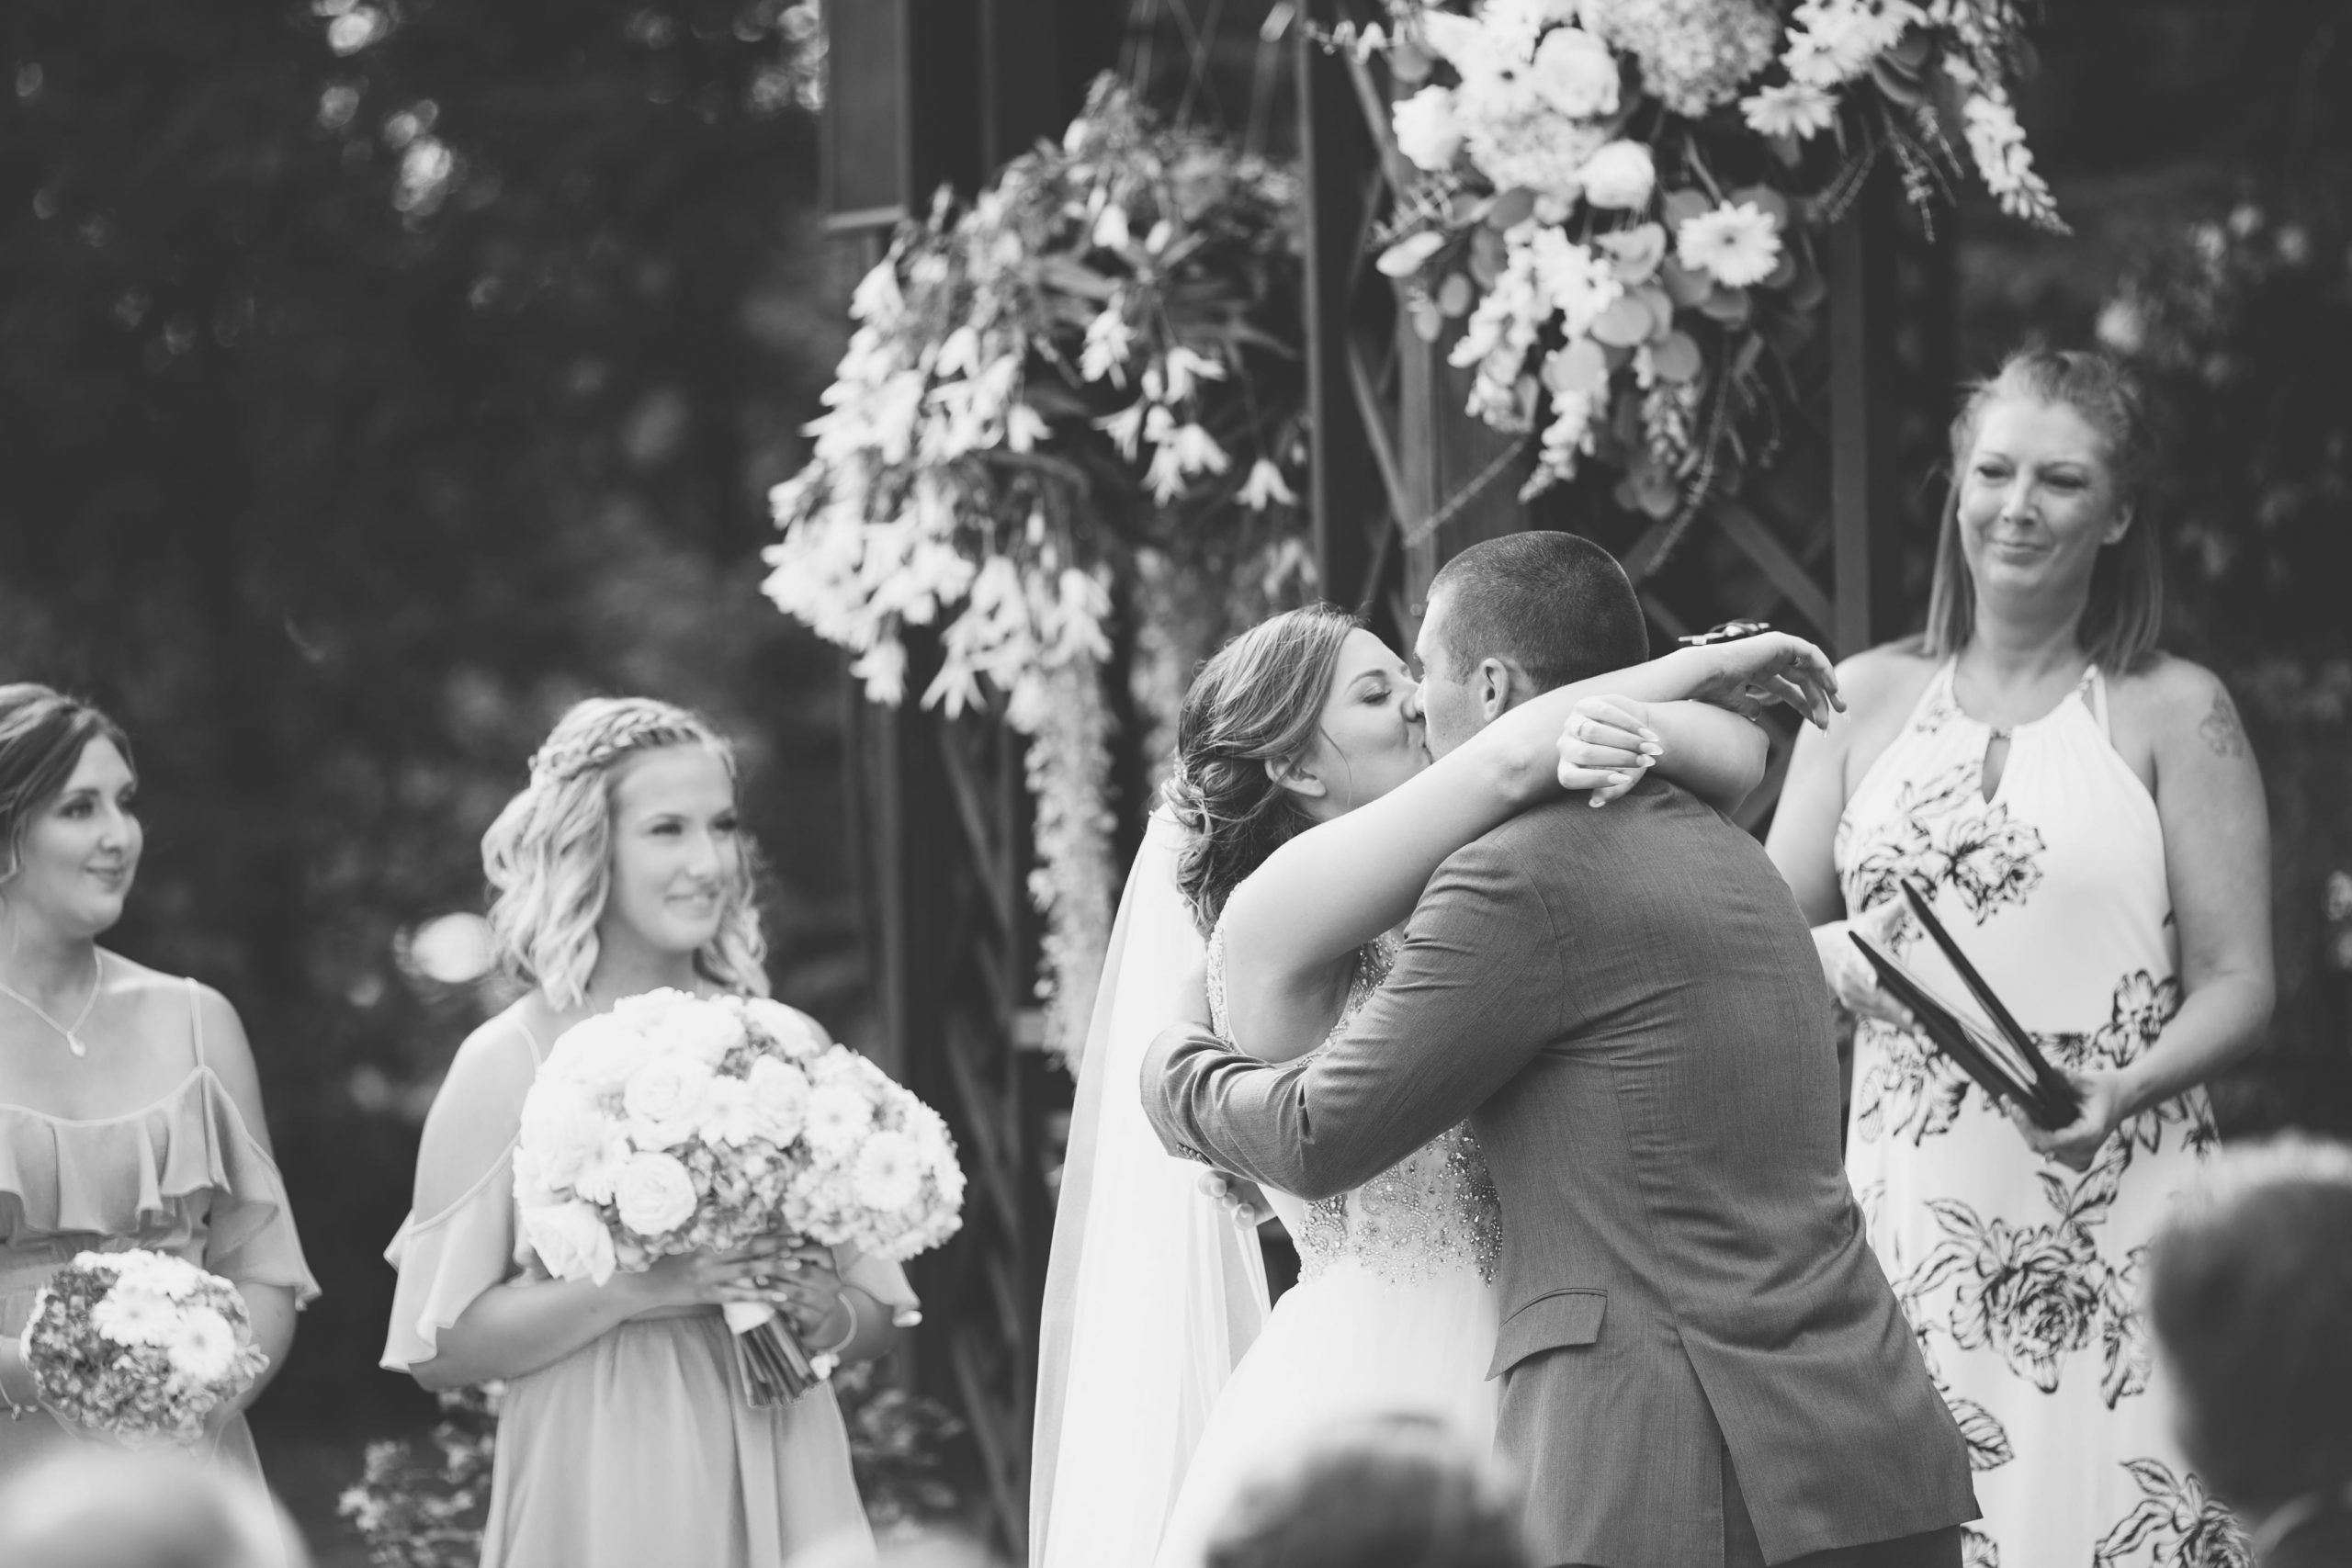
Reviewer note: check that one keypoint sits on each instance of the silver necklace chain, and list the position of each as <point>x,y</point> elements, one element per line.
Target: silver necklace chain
<point>72,1031</point>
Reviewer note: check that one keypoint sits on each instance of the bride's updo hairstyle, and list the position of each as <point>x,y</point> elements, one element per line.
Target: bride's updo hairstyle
<point>43,736</point>
<point>1260,700</point>
<point>550,854</point>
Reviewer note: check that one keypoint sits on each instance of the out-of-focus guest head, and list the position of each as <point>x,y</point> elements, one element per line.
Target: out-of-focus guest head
<point>2250,1296</point>
<point>109,1508</point>
<point>1398,1491</point>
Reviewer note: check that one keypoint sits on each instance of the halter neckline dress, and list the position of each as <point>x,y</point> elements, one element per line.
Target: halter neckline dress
<point>2021,1277</point>
<point>182,1175</point>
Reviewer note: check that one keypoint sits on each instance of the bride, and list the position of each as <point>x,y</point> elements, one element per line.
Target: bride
<point>1154,1300</point>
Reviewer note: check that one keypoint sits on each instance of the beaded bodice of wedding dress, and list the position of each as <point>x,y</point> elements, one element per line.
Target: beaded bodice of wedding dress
<point>1433,1210</point>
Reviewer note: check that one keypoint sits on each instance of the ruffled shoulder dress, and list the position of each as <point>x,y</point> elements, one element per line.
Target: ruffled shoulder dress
<point>183,1175</point>
<point>639,1448</point>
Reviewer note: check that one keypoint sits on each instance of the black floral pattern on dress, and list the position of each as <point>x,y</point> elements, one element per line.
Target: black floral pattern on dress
<point>2175,1524</point>
<point>1952,837</point>
<point>2035,1294</point>
<point>1911,1090</point>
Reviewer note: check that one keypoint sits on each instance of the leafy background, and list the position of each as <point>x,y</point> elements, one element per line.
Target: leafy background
<point>335,466</point>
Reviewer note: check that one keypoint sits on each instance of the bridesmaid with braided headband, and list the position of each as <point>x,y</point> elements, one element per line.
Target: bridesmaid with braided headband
<point>622,1439</point>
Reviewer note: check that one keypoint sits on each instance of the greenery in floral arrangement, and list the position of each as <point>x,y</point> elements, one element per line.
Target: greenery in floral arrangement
<point>426,1509</point>
<point>1621,199</point>
<point>1089,368</point>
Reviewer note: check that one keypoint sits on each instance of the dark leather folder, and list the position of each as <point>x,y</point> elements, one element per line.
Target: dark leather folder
<point>2009,1068</point>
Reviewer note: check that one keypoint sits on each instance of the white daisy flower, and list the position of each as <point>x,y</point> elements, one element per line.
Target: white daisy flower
<point>1794,109</point>
<point>1737,244</point>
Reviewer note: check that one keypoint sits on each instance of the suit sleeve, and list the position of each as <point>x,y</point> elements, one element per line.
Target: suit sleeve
<point>1471,1000</point>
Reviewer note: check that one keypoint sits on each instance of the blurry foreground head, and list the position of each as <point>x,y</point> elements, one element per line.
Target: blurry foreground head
<point>106,1508</point>
<point>2250,1295</point>
<point>1392,1492</point>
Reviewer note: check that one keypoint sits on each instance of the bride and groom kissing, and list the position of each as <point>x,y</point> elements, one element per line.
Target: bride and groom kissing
<point>1562,1160</point>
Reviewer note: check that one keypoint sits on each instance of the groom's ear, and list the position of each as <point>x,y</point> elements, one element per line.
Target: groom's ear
<point>1290,773</point>
<point>1499,684</point>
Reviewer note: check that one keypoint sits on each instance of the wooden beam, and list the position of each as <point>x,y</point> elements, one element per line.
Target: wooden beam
<point>1778,564</point>
<point>1865,506</point>
<point>1334,149</point>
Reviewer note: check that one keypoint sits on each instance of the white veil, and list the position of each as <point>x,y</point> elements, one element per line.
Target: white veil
<point>1152,1292</point>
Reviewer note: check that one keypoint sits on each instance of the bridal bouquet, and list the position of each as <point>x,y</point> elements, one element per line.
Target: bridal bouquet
<point>139,1344</point>
<point>677,1123</point>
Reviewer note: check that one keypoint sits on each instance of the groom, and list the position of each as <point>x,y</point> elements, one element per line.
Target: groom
<point>1701,1359</point>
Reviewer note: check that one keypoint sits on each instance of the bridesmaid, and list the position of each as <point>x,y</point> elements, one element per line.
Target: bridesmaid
<point>623,1438</point>
<point>129,1112</point>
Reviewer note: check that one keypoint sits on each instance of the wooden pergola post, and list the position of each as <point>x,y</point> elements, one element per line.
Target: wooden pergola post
<point>922,94</point>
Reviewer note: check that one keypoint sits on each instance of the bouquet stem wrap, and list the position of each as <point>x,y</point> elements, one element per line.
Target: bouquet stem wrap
<point>769,1362</point>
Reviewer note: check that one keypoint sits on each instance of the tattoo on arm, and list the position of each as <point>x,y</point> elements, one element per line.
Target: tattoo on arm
<point>2221,730</point>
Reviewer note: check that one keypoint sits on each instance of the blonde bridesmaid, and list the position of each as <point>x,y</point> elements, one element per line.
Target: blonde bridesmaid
<point>623,1437</point>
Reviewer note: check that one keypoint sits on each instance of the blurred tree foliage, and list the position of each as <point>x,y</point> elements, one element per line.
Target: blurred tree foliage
<point>376,378</point>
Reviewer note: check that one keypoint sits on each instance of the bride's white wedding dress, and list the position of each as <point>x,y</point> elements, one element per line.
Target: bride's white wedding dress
<point>1394,1309</point>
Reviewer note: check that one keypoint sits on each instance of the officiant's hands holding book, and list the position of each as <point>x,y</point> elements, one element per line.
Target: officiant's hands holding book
<point>2109,1100</point>
<point>1851,979</point>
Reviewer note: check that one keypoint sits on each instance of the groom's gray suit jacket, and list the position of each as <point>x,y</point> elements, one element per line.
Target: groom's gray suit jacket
<point>1627,1006</point>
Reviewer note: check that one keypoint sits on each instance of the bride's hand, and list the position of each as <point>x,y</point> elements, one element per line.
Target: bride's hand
<point>1770,667</point>
<point>1605,746</point>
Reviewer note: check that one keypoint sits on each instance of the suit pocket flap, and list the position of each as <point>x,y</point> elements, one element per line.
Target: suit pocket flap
<point>1552,1320</point>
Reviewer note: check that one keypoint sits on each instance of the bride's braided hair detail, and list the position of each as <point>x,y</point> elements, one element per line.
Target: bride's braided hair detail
<point>1259,699</point>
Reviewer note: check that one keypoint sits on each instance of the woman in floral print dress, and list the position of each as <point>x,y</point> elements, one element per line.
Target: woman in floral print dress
<point>2091,821</point>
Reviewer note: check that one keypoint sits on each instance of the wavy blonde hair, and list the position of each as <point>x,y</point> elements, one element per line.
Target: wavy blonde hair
<point>549,855</point>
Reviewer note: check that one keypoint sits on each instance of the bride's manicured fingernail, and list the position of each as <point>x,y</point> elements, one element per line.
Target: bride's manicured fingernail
<point>1652,749</point>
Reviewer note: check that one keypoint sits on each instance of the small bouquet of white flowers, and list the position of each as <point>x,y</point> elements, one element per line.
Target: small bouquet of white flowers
<point>139,1344</point>
<point>678,1123</point>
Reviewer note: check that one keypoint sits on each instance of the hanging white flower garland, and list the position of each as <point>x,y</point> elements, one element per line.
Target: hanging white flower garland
<point>1087,363</point>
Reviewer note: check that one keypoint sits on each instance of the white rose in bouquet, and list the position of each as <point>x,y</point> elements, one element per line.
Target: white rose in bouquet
<point>704,1031</point>
<point>781,1092</point>
<point>654,1194</point>
<point>566,1129</point>
<point>1427,132</point>
<point>791,1032</point>
<point>1575,73</point>
<point>1620,176</point>
<point>571,1240</point>
<point>597,1053</point>
<point>664,1098</point>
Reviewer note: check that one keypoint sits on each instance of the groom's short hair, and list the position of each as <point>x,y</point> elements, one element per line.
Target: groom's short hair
<point>1558,606</point>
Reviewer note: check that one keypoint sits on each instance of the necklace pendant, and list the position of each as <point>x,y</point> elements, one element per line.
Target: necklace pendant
<point>73,1043</point>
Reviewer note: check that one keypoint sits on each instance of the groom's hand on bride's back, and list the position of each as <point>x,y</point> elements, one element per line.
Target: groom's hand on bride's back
<point>1770,667</point>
